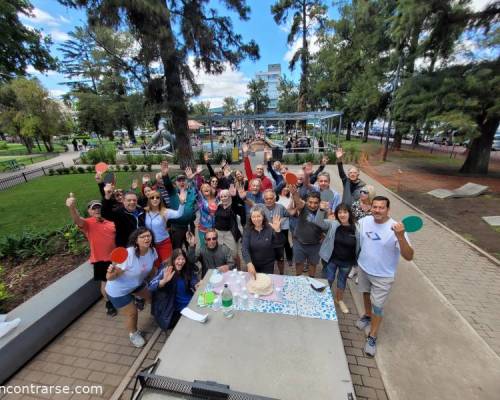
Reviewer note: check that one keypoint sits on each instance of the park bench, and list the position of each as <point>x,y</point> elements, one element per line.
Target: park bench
<point>11,165</point>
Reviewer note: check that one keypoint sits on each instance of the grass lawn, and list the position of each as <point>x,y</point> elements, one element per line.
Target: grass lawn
<point>16,149</point>
<point>26,160</point>
<point>40,204</point>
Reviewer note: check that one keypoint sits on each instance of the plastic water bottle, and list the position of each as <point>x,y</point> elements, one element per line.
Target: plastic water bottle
<point>227,302</point>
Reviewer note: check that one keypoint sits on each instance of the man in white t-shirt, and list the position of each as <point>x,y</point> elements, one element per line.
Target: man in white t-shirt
<point>382,240</point>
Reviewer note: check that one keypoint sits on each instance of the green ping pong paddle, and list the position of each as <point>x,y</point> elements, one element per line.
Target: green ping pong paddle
<point>412,223</point>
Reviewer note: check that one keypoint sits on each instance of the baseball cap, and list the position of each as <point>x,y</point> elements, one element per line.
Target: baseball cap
<point>181,176</point>
<point>93,203</point>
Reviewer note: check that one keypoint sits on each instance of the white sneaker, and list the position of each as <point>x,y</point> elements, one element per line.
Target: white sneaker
<point>343,307</point>
<point>137,339</point>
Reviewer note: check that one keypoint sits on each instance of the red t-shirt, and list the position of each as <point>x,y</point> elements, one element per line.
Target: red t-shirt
<point>101,237</point>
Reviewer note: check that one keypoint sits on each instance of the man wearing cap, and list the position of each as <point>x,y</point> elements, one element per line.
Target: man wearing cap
<point>101,236</point>
<point>179,226</point>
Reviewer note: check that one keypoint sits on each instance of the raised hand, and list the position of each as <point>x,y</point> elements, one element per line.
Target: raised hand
<point>267,155</point>
<point>191,239</point>
<point>134,185</point>
<point>276,223</point>
<point>399,229</point>
<point>199,169</point>
<point>182,196</point>
<point>206,157</point>
<point>158,177</point>
<point>292,189</point>
<point>164,168</point>
<point>244,148</point>
<point>168,274</point>
<point>145,179</point>
<point>339,153</point>
<point>223,163</point>
<point>71,201</point>
<point>108,191</point>
<point>324,160</point>
<point>189,173</point>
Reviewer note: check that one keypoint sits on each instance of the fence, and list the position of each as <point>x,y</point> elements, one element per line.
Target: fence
<point>24,177</point>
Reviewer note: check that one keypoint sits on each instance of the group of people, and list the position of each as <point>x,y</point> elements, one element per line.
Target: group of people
<point>176,229</point>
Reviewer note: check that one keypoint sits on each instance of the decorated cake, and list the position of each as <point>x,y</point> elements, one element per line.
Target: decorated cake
<point>261,285</point>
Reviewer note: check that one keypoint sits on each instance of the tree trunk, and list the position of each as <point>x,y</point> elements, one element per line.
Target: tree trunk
<point>304,61</point>
<point>398,137</point>
<point>28,143</point>
<point>365,131</point>
<point>349,129</point>
<point>175,96</point>
<point>416,138</point>
<point>130,129</point>
<point>38,144</point>
<point>478,158</point>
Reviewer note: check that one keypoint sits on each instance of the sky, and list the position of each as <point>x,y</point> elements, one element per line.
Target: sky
<point>56,20</point>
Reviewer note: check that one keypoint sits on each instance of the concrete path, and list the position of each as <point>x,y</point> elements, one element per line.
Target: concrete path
<point>441,334</point>
<point>66,158</point>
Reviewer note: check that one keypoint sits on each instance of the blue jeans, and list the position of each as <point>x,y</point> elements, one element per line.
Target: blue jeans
<point>332,269</point>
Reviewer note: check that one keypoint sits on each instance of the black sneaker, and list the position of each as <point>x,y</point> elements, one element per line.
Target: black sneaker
<point>110,309</point>
<point>139,303</point>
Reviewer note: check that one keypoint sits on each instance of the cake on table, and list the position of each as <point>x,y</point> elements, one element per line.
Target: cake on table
<point>261,285</point>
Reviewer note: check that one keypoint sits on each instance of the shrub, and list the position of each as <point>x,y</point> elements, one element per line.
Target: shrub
<point>199,157</point>
<point>143,168</point>
<point>101,153</point>
<point>149,168</point>
<point>133,167</point>
<point>72,169</point>
<point>81,170</point>
<point>51,172</point>
<point>3,145</point>
<point>65,171</point>
<point>60,171</point>
<point>84,159</point>
<point>118,167</point>
<point>126,168</point>
<point>89,168</point>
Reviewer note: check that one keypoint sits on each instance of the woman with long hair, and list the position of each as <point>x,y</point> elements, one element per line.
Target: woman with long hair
<point>340,248</point>
<point>207,204</point>
<point>127,280</point>
<point>172,289</point>
<point>156,217</point>
<point>260,238</point>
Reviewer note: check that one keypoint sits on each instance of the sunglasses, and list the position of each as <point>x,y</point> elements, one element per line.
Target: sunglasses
<point>155,198</point>
<point>97,206</point>
<point>363,191</point>
<point>210,239</point>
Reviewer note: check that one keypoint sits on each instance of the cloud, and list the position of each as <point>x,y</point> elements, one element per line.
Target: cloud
<point>313,47</point>
<point>231,83</point>
<point>64,19</point>
<point>32,71</point>
<point>479,5</point>
<point>59,36</point>
<point>39,16</point>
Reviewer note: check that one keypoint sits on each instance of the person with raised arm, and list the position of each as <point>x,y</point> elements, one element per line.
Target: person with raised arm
<point>350,182</point>
<point>259,170</point>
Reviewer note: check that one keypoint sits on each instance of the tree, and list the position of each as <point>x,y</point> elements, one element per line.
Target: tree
<point>308,17</point>
<point>21,46</point>
<point>461,97</point>
<point>230,106</point>
<point>200,109</point>
<point>258,100</point>
<point>28,113</point>
<point>170,31</point>
<point>288,96</point>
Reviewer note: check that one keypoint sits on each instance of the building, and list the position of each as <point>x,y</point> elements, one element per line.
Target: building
<point>272,78</point>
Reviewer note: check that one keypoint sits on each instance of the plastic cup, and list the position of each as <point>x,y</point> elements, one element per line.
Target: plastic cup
<point>217,303</point>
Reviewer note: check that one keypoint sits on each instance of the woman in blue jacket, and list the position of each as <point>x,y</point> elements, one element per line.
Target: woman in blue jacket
<point>172,289</point>
<point>339,249</point>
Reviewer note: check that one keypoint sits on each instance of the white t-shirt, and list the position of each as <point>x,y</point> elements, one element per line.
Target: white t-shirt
<point>136,270</point>
<point>380,251</point>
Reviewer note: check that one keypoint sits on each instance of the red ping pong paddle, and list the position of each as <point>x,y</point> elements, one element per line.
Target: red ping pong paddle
<point>291,178</point>
<point>119,255</point>
<point>101,167</point>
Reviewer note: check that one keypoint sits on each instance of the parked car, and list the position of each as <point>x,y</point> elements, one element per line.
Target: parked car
<point>496,141</point>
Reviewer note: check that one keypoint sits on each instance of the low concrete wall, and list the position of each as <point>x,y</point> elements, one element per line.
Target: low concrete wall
<point>44,316</point>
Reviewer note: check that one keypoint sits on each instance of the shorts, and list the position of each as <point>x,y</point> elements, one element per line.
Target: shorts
<point>343,272</point>
<point>378,287</point>
<point>227,238</point>
<point>122,301</point>
<point>306,252</point>
<point>100,270</point>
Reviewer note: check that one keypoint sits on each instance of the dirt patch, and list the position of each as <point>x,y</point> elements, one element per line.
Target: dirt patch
<point>412,177</point>
<point>25,279</point>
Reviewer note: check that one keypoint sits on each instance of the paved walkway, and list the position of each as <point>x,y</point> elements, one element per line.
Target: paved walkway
<point>66,158</point>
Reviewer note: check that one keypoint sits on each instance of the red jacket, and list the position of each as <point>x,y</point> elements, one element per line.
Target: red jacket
<point>266,182</point>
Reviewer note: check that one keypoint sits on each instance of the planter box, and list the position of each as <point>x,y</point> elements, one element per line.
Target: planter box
<point>44,316</point>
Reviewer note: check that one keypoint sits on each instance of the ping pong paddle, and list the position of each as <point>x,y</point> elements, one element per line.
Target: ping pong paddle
<point>412,223</point>
<point>109,178</point>
<point>101,167</point>
<point>119,255</point>
<point>291,178</point>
